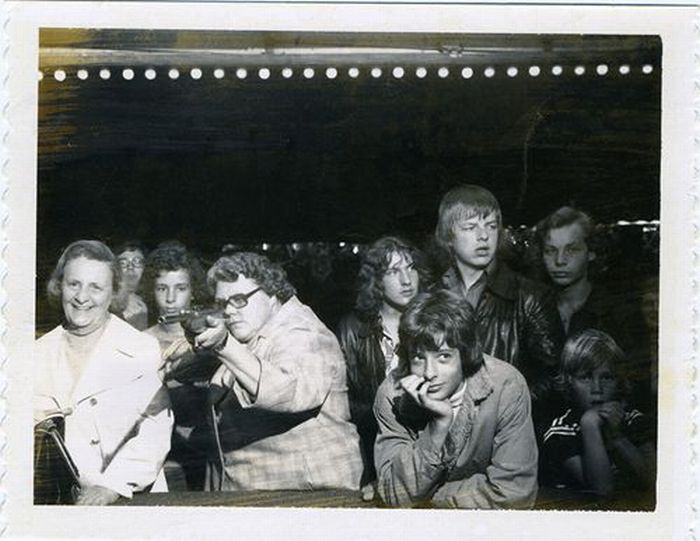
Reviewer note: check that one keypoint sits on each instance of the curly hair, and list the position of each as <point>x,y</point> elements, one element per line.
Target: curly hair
<point>271,277</point>
<point>589,349</point>
<point>89,249</point>
<point>173,256</point>
<point>436,318</point>
<point>460,203</point>
<point>374,264</point>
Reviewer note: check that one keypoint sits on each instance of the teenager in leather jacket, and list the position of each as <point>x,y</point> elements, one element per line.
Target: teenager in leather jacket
<point>517,318</point>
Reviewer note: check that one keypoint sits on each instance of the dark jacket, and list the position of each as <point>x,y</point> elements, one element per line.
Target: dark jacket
<point>518,322</point>
<point>619,314</point>
<point>598,312</point>
<point>360,341</point>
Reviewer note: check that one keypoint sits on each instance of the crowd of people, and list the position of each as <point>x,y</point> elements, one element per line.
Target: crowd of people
<point>468,389</point>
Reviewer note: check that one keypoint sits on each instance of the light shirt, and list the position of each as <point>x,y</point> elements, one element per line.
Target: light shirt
<point>77,350</point>
<point>457,399</point>
<point>389,349</point>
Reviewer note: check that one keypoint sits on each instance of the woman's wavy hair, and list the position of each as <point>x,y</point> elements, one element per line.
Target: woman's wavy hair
<point>461,203</point>
<point>374,264</point>
<point>173,256</point>
<point>89,249</point>
<point>271,277</point>
<point>436,318</point>
<point>589,349</point>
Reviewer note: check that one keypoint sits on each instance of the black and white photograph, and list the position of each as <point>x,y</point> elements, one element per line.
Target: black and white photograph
<point>351,270</point>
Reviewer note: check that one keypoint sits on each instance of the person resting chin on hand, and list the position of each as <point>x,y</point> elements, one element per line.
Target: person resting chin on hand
<point>455,428</point>
<point>598,444</point>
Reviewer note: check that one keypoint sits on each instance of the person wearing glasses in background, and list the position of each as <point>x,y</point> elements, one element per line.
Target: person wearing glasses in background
<point>131,257</point>
<point>280,400</point>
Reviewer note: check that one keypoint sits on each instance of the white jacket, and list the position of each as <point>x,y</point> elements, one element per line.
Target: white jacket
<point>118,417</point>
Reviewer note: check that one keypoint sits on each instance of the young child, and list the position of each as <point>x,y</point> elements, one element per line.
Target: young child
<point>598,444</point>
<point>455,428</point>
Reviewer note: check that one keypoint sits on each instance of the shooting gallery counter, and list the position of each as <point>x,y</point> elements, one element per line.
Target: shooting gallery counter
<point>548,498</point>
<point>256,498</point>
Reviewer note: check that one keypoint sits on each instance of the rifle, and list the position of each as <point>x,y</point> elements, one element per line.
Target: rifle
<point>192,366</point>
<point>194,320</point>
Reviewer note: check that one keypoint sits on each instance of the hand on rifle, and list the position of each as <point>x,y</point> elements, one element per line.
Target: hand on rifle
<point>212,336</point>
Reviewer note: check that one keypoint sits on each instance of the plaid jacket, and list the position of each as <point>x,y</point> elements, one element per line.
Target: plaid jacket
<point>297,433</point>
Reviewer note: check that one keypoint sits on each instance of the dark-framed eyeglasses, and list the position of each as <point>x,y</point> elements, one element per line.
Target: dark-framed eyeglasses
<point>136,262</point>
<point>238,301</point>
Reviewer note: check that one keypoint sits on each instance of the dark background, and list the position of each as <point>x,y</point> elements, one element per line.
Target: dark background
<point>280,161</point>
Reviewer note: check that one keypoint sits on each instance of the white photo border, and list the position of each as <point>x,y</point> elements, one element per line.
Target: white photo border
<point>672,518</point>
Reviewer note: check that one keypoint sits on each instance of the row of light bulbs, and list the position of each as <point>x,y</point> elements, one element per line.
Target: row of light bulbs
<point>397,72</point>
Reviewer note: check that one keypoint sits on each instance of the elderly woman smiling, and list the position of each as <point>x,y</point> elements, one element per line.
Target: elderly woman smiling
<point>102,373</point>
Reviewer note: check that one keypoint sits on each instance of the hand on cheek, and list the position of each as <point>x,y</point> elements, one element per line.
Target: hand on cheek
<point>417,388</point>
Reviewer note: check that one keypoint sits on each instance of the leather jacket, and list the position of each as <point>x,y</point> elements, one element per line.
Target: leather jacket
<point>518,322</point>
<point>360,341</point>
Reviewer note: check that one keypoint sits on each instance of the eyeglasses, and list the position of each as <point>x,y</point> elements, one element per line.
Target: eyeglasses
<point>136,262</point>
<point>238,301</point>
